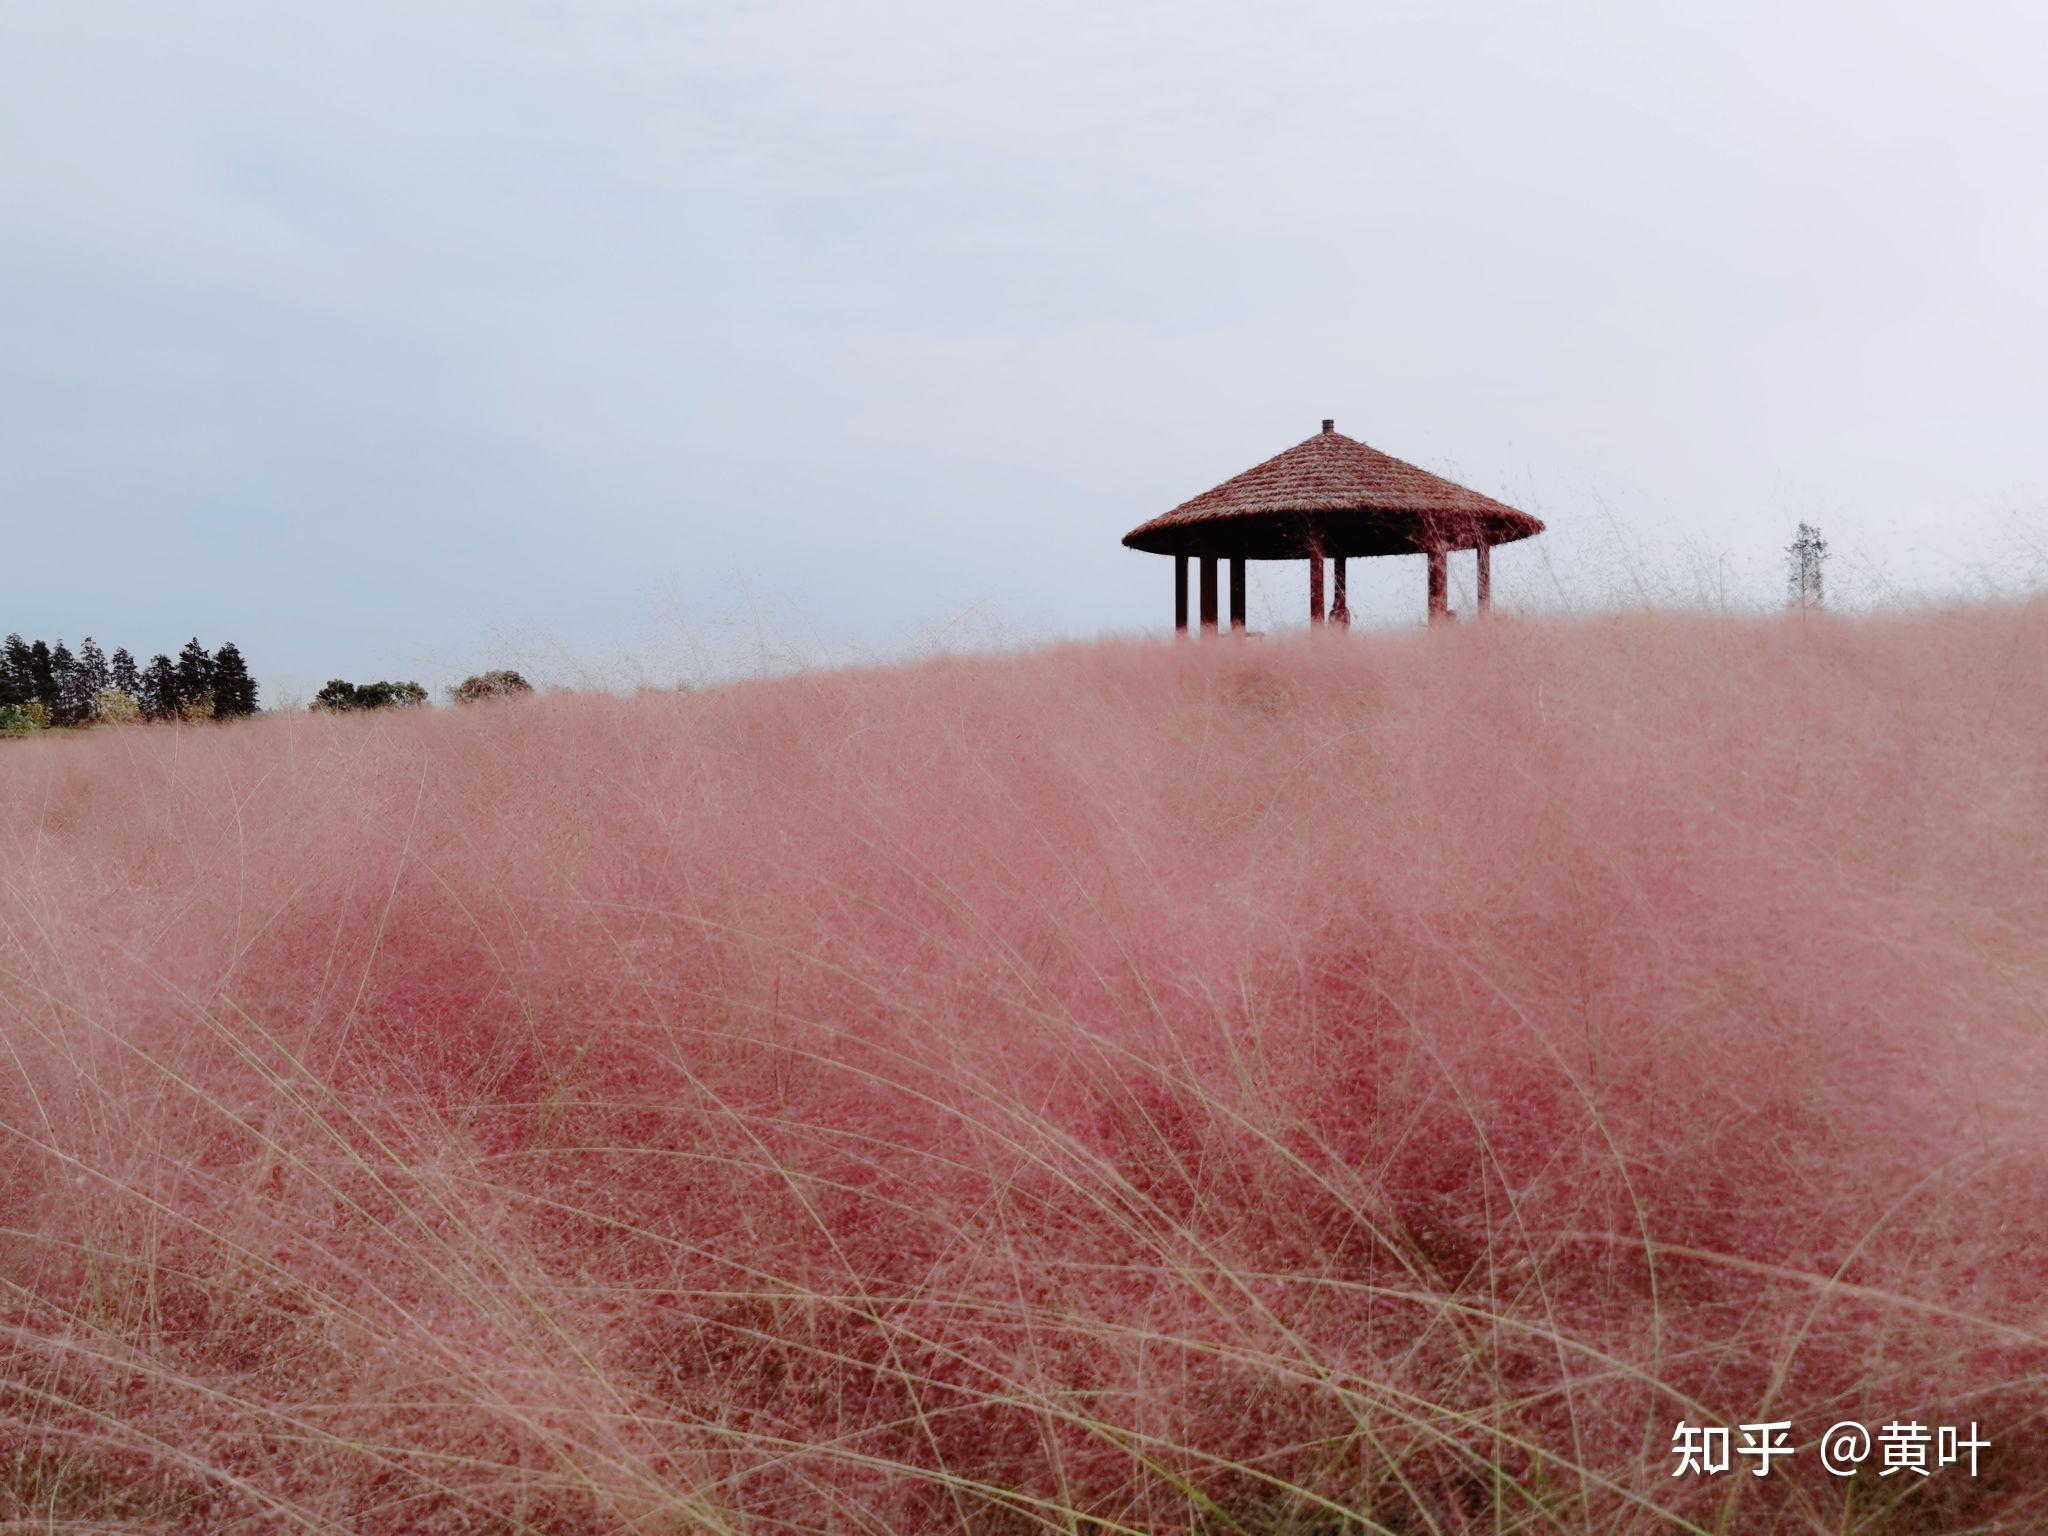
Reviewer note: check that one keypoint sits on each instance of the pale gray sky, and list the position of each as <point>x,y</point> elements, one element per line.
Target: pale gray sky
<point>396,338</point>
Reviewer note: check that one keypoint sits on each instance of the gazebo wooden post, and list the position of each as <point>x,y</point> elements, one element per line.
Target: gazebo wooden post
<point>1315,587</point>
<point>1485,577</point>
<point>1439,585</point>
<point>1237,594</point>
<point>1340,611</point>
<point>1180,595</point>
<point>1208,595</point>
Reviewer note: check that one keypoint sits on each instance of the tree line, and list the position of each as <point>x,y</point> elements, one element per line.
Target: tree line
<point>478,688</point>
<point>42,685</point>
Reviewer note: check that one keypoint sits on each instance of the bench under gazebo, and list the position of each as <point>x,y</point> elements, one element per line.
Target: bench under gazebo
<point>1328,498</point>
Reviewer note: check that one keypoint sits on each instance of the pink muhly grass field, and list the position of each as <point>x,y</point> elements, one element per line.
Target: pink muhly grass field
<point>1290,1086</point>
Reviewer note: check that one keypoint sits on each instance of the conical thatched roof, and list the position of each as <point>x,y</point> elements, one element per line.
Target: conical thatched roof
<point>1334,494</point>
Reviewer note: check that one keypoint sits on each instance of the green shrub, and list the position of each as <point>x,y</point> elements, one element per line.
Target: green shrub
<point>499,683</point>
<point>116,706</point>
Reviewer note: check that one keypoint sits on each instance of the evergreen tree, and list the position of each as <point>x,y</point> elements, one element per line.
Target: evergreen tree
<point>122,674</point>
<point>94,675</point>
<point>234,690</point>
<point>17,675</point>
<point>72,704</point>
<point>195,673</point>
<point>160,699</point>
<point>42,681</point>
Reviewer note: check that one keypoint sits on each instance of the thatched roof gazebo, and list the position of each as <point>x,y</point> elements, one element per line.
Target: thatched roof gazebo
<point>1333,497</point>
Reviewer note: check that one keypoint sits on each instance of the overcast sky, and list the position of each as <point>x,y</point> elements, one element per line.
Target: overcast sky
<point>399,338</point>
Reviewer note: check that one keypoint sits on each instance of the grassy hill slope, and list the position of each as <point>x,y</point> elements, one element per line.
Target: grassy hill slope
<point>1383,1084</point>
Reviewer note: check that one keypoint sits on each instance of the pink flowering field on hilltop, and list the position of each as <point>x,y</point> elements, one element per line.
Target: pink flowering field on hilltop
<point>1377,1084</point>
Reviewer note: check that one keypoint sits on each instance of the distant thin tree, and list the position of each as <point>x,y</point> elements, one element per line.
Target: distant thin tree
<point>499,683</point>
<point>1804,558</point>
<point>234,690</point>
